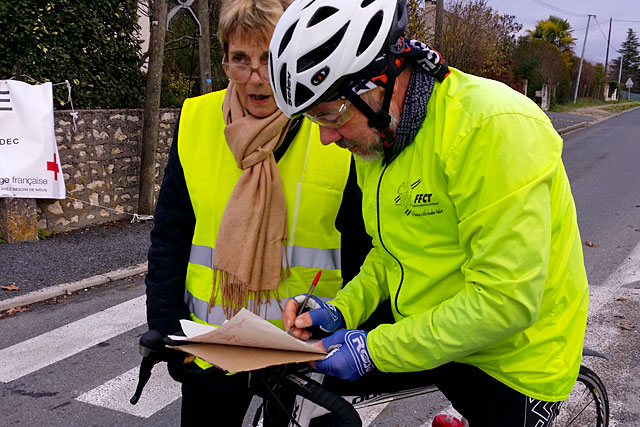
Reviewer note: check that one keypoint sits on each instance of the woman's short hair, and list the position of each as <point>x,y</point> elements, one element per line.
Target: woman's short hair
<point>255,17</point>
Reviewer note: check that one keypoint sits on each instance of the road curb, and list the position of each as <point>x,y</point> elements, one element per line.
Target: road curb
<point>587,124</point>
<point>572,128</point>
<point>54,291</point>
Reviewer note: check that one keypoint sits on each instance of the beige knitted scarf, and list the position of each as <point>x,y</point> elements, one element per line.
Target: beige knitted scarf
<point>247,260</point>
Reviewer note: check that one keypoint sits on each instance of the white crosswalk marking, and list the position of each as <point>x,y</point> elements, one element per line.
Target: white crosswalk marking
<point>161,390</point>
<point>36,353</point>
<point>627,272</point>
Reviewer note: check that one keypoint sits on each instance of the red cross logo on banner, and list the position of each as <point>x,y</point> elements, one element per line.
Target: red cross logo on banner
<point>53,166</point>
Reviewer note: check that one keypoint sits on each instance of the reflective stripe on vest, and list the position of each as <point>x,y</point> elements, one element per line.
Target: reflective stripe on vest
<point>216,316</point>
<point>298,256</point>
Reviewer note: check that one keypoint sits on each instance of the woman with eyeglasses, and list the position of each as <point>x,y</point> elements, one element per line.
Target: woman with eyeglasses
<point>246,214</point>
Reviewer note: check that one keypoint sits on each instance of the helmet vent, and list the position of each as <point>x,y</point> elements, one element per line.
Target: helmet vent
<point>283,83</point>
<point>322,52</point>
<point>370,33</point>
<point>308,4</point>
<point>321,14</point>
<point>365,3</point>
<point>303,94</point>
<point>271,68</point>
<point>286,38</point>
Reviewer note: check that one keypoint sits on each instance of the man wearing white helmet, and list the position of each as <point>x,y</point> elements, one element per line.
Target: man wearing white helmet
<point>476,243</point>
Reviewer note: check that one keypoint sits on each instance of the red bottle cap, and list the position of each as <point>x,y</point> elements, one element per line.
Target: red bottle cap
<point>444,420</point>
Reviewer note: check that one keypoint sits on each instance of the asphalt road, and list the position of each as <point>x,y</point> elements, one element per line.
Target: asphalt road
<point>602,163</point>
<point>48,397</point>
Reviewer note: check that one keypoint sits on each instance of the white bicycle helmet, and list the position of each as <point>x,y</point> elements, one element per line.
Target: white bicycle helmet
<point>318,43</point>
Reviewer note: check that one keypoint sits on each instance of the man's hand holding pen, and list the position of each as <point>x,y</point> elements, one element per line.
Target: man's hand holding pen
<point>321,314</point>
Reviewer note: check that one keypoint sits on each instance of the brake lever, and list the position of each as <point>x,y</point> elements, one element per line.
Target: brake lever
<point>146,367</point>
<point>150,344</point>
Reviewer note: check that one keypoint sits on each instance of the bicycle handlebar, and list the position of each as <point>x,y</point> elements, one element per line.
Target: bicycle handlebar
<point>343,414</point>
<point>153,350</point>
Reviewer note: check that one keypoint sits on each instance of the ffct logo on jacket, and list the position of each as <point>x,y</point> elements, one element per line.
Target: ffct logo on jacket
<point>415,201</point>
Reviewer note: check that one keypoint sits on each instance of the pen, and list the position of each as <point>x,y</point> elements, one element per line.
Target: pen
<point>306,298</point>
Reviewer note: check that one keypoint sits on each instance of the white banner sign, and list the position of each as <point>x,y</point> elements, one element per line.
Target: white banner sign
<point>29,161</point>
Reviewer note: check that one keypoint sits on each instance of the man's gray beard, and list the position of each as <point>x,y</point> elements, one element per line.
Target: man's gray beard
<point>375,150</point>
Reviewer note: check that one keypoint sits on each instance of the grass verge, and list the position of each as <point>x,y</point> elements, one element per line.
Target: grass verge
<point>612,106</point>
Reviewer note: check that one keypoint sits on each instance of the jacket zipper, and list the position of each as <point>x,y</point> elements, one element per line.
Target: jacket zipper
<point>383,245</point>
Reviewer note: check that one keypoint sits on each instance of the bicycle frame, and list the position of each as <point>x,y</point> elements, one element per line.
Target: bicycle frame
<point>304,411</point>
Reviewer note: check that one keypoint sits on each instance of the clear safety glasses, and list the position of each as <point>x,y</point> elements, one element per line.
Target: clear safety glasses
<point>334,118</point>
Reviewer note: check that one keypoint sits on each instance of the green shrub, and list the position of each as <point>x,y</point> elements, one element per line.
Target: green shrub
<point>93,44</point>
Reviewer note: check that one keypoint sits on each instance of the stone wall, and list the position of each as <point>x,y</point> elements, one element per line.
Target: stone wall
<point>101,162</point>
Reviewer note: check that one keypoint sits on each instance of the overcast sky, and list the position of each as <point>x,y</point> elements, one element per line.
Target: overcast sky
<point>528,12</point>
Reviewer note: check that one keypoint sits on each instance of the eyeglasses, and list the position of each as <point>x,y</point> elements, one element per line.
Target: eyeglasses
<point>334,118</point>
<point>241,73</point>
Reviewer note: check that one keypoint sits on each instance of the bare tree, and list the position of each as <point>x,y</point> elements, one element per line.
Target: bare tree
<point>591,80</point>
<point>477,39</point>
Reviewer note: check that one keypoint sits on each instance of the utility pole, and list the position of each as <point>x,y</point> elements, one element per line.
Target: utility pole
<point>204,46</point>
<point>152,108</point>
<point>575,95</point>
<point>439,25</point>
<point>620,72</point>
<point>606,60</point>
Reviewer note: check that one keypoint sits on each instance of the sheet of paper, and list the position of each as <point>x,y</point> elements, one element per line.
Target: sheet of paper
<point>192,329</point>
<point>246,329</point>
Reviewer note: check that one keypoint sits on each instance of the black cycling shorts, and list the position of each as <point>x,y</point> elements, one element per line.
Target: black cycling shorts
<point>480,398</point>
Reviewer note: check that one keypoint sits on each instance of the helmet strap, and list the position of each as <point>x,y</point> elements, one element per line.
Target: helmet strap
<point>381,120</point>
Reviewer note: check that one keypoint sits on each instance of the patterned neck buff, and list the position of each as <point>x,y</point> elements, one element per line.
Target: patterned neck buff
<point>414,109</point>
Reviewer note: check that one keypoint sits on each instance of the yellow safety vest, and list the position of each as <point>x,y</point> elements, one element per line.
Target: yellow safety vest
<point>313,179</point>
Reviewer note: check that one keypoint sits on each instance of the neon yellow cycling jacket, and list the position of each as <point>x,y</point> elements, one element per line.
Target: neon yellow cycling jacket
<point>476,245</point>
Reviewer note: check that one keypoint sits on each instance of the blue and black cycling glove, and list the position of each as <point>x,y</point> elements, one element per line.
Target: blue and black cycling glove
<point>324,315</point>
<point>349,357</point>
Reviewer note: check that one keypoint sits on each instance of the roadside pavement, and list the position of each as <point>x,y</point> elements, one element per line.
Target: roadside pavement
<point>70,261</point>
<point>565,122</point>
<point>93,256</point>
